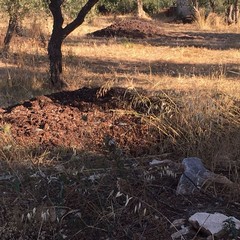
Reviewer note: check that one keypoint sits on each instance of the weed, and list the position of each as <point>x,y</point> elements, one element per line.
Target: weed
<point>189,102</point>
<point>230,227</point>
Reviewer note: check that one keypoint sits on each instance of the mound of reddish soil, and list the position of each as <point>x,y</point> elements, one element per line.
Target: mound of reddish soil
<point>93,120</point>
<point>132,28</point>
<point>81,120</point>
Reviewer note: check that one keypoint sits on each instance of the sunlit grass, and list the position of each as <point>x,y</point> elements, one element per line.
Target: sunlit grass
<point>192,103</point>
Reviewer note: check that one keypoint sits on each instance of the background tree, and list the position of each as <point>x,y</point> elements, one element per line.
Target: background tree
<point>140,12</point>
<point>16,10</point>
<point>232,11</point>
<point>59,33</point>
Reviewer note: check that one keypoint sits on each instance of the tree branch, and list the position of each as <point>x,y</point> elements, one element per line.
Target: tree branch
<point>80,17</point>
<point>55,8</point>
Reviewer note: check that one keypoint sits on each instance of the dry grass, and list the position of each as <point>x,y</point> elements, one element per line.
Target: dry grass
<point>214,22</point>
<point>123,62</point>
<point>199,73</point>
<point>202,80</point>
<point>200,115</point>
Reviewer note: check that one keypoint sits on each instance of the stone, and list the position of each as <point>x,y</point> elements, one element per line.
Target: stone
<point>212,224</point>
<point>160,162</point>
<point>178,223</point>
<point>194,176</point>
<point>180,233</point>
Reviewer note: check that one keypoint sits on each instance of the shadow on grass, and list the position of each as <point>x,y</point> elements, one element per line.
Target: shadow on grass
<point>213,41</point>
<point>207,40</point>
<point>87,191</point>
<point>24,81</point>
<point>160,68</point>
<point>70,198</point>
<point>81,195</point>
<point>18,84</point>
<point>111,65</point>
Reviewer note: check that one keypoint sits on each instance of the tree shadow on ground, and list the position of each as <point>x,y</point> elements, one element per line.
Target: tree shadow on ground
<point>69,195</point>
<point>212,41</point>
<point>23,83</point>
<point>101,66</point>
<point>111,65</point>
<point>17,84</point>
<point>30,74</point>
<point>221,41</point>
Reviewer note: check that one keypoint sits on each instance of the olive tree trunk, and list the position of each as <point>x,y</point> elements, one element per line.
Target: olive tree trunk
<point>232,12</point>
<point>55,58</point>
<point>10,31</point>
<point>59,34</point>
<point>140,11</point>
<point>236,11</point>
<point>13,27</point>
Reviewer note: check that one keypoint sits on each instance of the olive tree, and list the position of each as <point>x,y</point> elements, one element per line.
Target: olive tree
<point>140,11</point>
<point>59,33</point>
<point>232,11</point>
<point>16,11</point>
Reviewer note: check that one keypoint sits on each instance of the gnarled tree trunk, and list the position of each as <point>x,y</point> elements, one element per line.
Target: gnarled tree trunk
<point>140,11</point>
<point>59,34</point>
<point>12,27</point>
<point>55,57</point>
<point>236,11</point>
<point>232,12</point>
<point>55,43</point>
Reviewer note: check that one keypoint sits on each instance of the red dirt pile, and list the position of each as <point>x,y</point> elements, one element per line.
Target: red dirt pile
<point>132,28</point>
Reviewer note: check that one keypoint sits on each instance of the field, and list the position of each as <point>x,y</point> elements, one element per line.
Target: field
<point>75,161</point>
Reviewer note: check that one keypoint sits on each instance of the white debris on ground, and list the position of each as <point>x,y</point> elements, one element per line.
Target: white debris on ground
<point>215,224</point>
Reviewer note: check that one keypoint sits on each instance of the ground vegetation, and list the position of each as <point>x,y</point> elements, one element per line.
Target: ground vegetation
<point>76,163</point>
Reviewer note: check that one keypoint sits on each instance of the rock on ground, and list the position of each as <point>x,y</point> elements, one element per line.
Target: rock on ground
<point>212,223</point>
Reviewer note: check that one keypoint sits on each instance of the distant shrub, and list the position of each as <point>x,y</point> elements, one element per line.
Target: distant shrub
<point>129,6</point>
<point>116,6</point>
<point>153,6</point>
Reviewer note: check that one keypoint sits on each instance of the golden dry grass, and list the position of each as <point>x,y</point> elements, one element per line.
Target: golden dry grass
<point>198,72</point>
<point>214,21</point>
<point>199,92</point>
<point>125,62</point>
<point>205,79</point>
<point>201,72</point>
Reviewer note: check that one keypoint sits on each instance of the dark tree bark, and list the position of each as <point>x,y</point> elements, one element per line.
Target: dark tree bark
<point>55,42</point>
<point>12,28</point>
<point>59,34</point>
